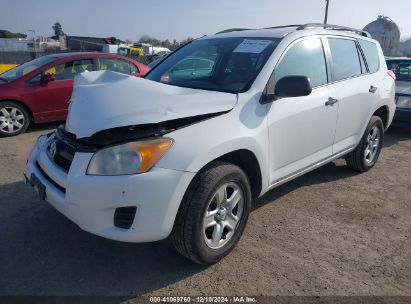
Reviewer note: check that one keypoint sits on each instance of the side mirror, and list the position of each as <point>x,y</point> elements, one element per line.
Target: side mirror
<point>292,86</point>
<point>288,86</point>
<point>46,78</point>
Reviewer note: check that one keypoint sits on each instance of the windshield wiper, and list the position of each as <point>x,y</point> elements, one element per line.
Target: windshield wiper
<point>4,79</point>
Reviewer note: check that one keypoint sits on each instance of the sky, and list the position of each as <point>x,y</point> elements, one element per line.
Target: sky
<point>178,19</point>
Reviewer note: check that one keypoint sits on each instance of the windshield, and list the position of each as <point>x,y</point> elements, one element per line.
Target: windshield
<point>218,64</point>
<point>401,68</point>
<point>21,70</point>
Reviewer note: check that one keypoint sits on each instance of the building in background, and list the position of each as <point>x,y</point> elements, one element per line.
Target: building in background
<point>16,45</point>
<point>89,44</point>
<point>387,33</point>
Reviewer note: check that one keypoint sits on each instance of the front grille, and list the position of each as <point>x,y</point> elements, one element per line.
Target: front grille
<point>124,217</point>
<point>63,162</point>
<point>64,150</point>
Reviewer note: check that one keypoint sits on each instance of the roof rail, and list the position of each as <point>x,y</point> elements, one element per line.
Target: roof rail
<point>333,27</point>
<point>282,26</point>
<point>265,28</point>
<point>232,30</point>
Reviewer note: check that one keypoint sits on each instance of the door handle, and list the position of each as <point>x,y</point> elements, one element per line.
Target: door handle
<point>373,89</point>
<point>331,101</point>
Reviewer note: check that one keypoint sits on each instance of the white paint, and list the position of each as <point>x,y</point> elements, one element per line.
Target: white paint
<point>105,99</point>
<point>288,136</point>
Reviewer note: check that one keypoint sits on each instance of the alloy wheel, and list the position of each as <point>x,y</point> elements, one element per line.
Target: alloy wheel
<point>222,215</point>
<point>373,144</point>
<point>11,120</point>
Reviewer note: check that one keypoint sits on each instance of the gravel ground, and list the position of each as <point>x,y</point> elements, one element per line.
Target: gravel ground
<point>330,232</point>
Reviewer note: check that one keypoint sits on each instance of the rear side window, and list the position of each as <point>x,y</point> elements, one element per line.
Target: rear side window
<point>372,57</point>
<point>133,68</point>
<point>346,62</point>
<point>305,58</point>
<point>115,65</point>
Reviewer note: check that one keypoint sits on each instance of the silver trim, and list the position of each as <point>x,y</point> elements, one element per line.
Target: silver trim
<point>309,168</point>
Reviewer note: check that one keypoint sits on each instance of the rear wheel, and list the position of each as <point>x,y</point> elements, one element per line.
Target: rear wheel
<point>365,155</point>
<point>213,214</point>
<point>14,119</point>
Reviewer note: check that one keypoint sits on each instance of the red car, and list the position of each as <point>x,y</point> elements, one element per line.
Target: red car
<point>39,91</point>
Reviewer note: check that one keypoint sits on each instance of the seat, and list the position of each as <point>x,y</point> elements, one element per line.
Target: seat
<point>241,70</point>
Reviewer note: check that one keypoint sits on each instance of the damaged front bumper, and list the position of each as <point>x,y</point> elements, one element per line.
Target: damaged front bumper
<point>92,201</point>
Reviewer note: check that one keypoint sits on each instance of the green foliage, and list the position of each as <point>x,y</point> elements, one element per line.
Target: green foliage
<point>58,30</point>
<point>8,34</point>
<point>164,43</point>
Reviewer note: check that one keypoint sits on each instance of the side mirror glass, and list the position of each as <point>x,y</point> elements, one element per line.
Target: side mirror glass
<point>46,78</point>
<point>292,86</point>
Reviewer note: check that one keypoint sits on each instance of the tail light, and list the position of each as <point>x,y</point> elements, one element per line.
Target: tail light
<point>391,74</point>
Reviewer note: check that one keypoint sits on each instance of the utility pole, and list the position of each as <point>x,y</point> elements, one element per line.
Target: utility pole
<point>34,38</point>
<point>326,11</point>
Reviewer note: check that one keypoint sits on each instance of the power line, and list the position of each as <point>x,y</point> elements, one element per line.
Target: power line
<point>326,11</point>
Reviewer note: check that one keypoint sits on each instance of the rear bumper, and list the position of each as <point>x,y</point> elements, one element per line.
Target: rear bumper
<point>91,201</point>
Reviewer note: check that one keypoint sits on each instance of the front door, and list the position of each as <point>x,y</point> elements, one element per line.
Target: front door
<point>301,129</point>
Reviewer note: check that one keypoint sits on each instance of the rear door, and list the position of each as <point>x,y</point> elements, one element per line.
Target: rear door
<point>356,90</point>
<point>52,98</point>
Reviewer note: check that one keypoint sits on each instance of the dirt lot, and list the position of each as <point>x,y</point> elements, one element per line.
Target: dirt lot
<point>330,232</point>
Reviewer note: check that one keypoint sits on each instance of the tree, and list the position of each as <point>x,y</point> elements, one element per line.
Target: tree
<point>8,34</point>
<point>58,30</point>
<point>150,40</point>
<point>186,41</point>
<point>165,43</point>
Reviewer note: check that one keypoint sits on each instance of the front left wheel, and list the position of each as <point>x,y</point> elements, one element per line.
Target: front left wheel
<point>14,119</point>
<point>213,213</point>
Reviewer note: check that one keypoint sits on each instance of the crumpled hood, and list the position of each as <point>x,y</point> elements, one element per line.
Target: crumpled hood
<point>403,87</point>
<point>103,100</point>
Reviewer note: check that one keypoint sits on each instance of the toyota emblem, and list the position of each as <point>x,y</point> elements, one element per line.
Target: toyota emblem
<point>53,149</point>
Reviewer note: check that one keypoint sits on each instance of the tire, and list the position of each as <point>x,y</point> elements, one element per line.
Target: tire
<point>14,119</point>
<point>365,155</point>
<point>189,236</point>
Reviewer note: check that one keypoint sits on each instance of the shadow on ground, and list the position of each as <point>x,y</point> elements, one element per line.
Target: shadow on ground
<point>43,253</point>
<point>396,134</point>
<point>44,126</point>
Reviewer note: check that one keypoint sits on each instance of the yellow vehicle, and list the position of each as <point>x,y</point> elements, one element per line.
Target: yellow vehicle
<point>6,67</point>
<point>130,51</point>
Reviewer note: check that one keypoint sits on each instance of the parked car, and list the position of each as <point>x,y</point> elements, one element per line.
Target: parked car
<point>39,91</point>
<point>189,67</point>
<point>183,157</point>
<point>155,61</point>
<point>402,70</point>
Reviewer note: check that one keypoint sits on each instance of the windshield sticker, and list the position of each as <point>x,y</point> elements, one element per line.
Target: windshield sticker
<point>252,46</point>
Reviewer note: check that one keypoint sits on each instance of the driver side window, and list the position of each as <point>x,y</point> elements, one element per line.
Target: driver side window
<point>304,58</point>
<point>67,70</point>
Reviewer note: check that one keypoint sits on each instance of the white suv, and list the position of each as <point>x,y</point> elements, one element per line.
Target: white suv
<point>220,121</point>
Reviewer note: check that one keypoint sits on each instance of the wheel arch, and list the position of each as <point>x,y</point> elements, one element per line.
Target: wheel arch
<point>383,113</point>
<point>246,161</point>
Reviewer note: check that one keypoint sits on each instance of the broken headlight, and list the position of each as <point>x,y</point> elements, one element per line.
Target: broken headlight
<point>130,158</point>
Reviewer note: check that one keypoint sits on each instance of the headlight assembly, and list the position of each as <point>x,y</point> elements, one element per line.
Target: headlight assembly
<point>130,158</point>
